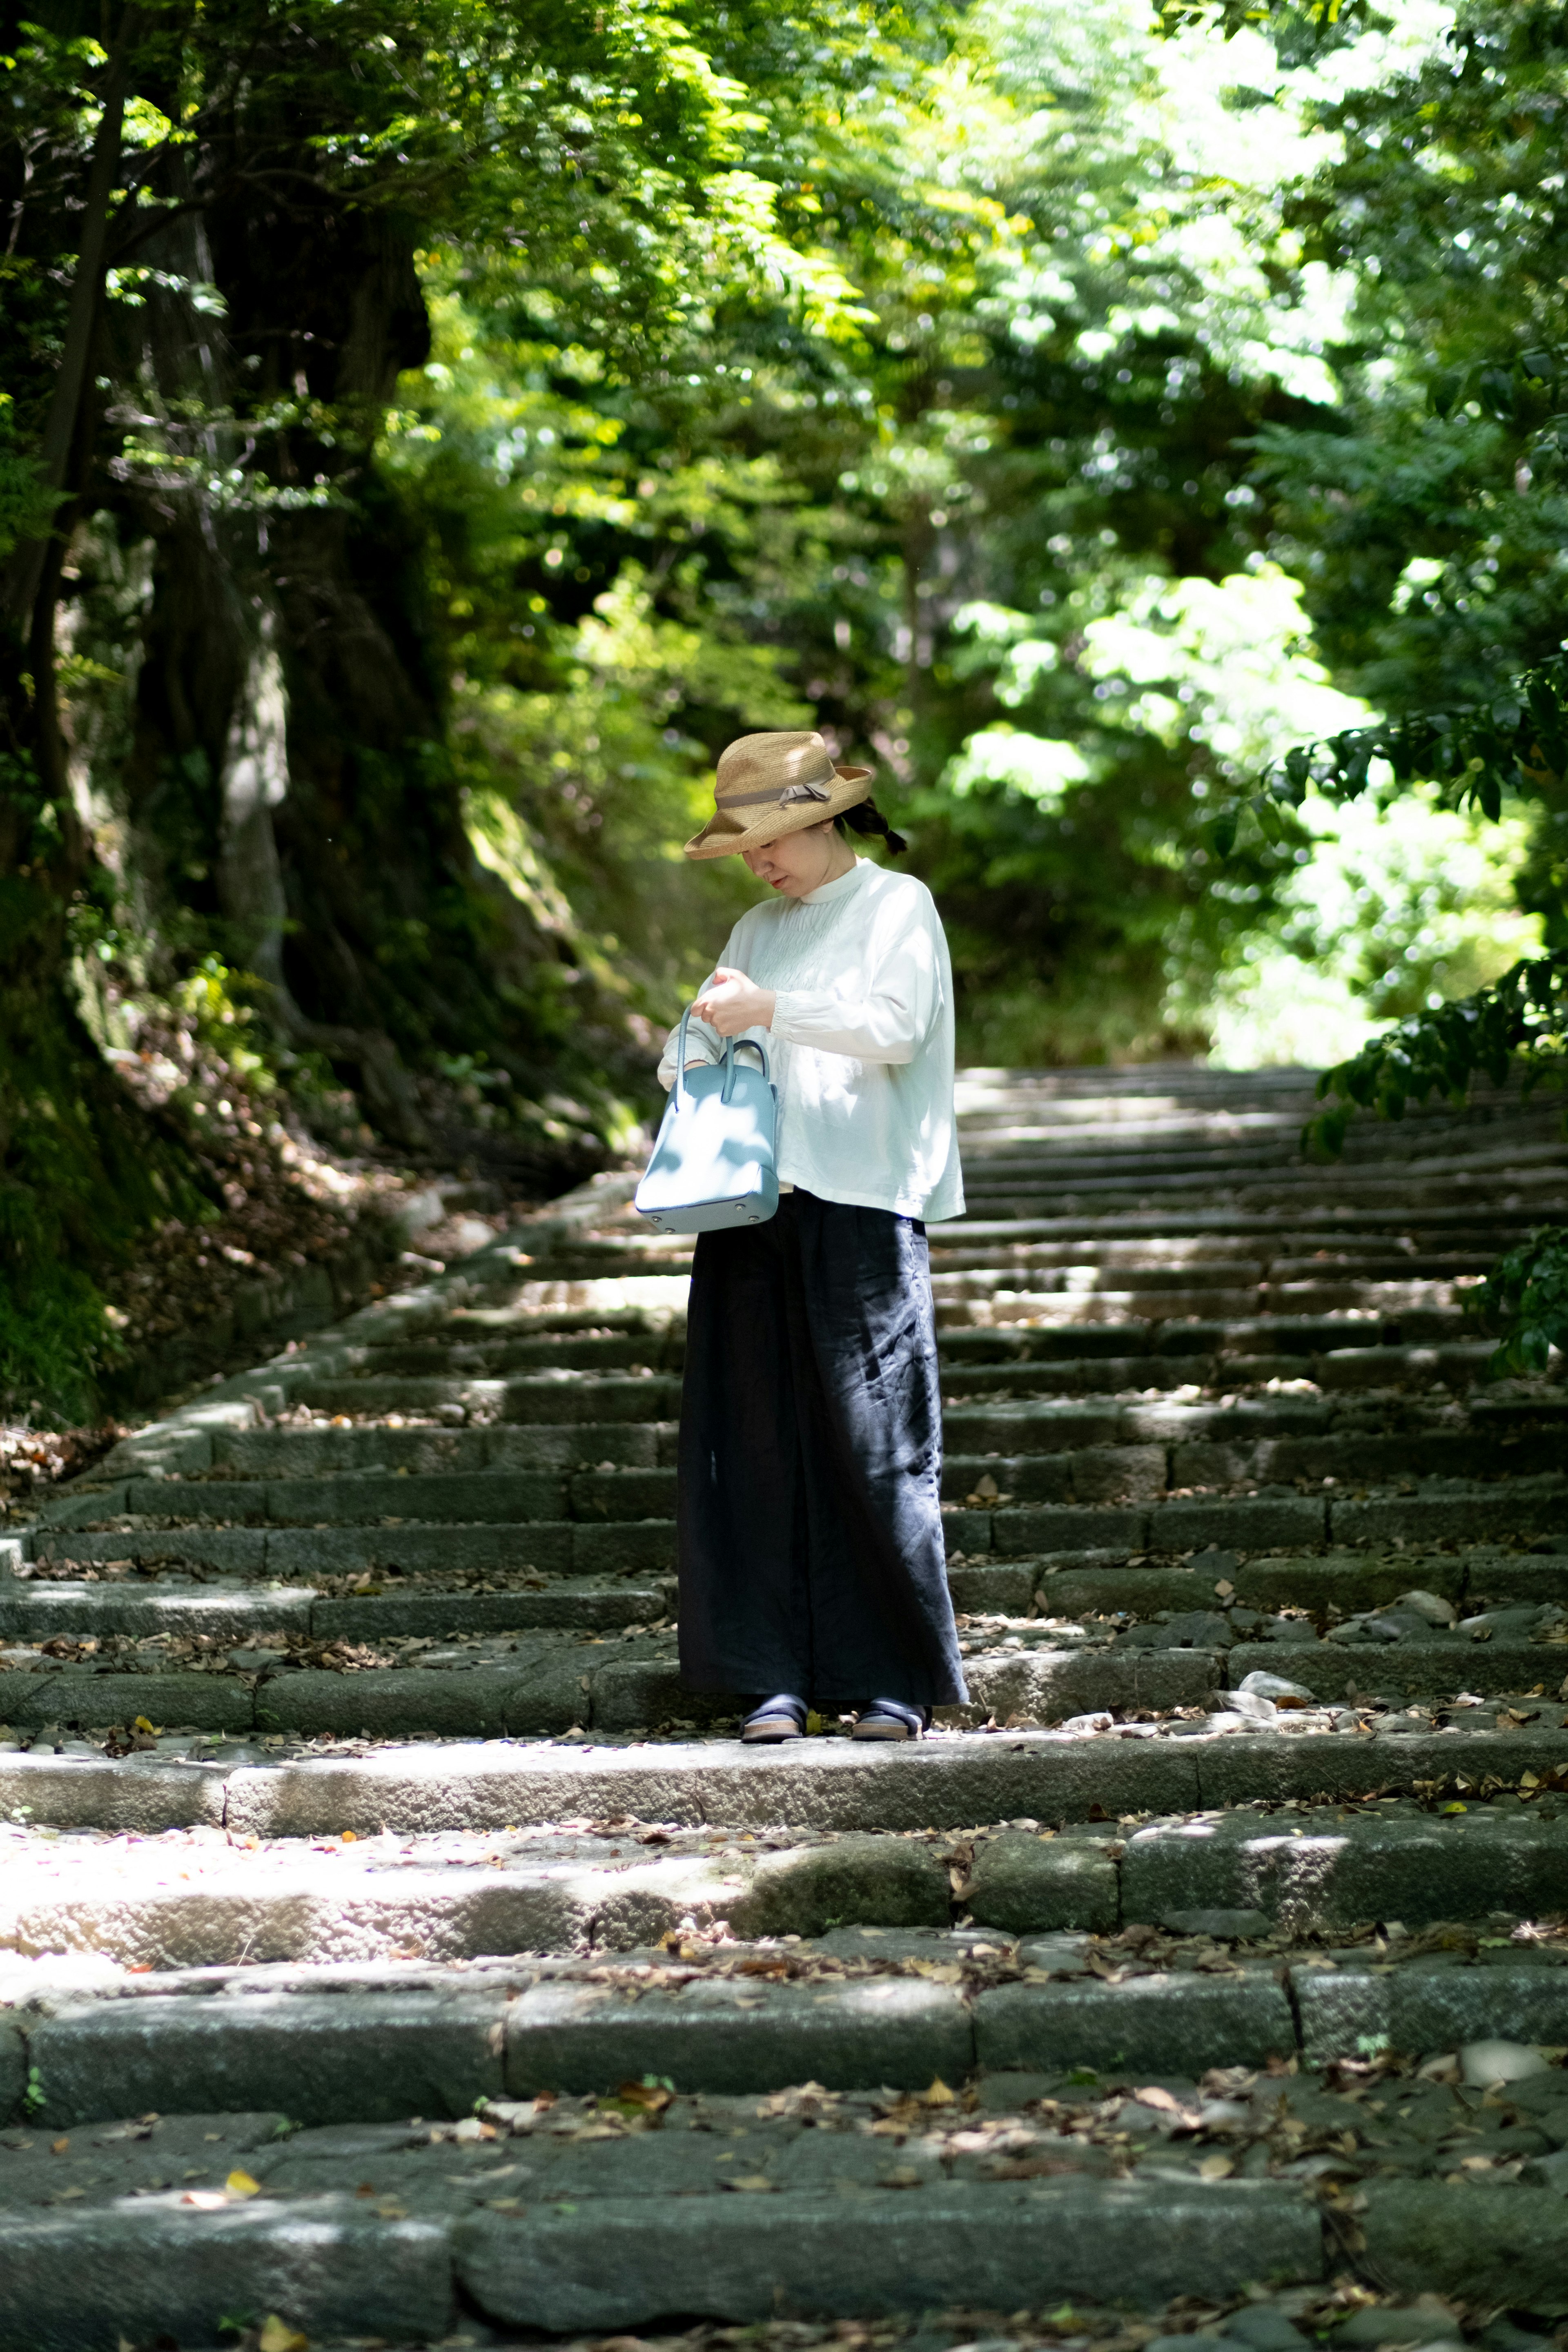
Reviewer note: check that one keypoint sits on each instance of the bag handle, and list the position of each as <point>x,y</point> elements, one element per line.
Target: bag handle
<point>729,1063</point>
<point>736,1045</point>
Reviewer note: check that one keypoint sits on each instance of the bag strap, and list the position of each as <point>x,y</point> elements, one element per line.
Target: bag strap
<point>744,1045</point>
<point>731,1046</point>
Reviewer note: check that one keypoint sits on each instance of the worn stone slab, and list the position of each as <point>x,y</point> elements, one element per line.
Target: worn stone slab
<point>1427,2011</point>
<point>628,2262</point>
<point>1345,1581</point>
<point>1029,1885</point>
<point>1003,1587</point>
<point>1489,1515</point>
<point>1325,1876</point>
<point>231,1551</point>
<point>1176,2024</point>
<point>1051,1686</point>
<point>1490,2247</point>
<point>740,2036</point>
<point>569,1605</point>
<point>422,1702</point>
<point>623,1494</point>
<point>637,1694</point>
<point>1267,1524</point>
<point>1067,1526</point>
<point>304,1552</point>
<point>304,1916</point>
<point>136,1792</point>
<point>481,1498</point>
<point>318,2058</point>
<point>877,1882</point>
<point>36,1612</point>
<point>625,1548</point>
<point>1339,1764</point>
<point>80,1506</point>
<point>72,1695</point>
<point>82,2280</point>
<point>1404,1669</point>
<point>828,1784</point>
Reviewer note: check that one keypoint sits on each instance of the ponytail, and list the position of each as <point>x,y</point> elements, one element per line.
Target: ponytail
<point>866,817</point>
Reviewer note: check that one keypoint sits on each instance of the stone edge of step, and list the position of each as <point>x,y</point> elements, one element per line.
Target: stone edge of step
<point>628,2262</point>
<point>1058,1778</point>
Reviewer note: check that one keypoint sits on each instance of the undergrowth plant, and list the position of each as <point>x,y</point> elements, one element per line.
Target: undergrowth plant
<point>1527,1292</point>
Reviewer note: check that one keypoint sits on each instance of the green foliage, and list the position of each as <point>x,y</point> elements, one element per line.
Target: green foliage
<point>1428,518</point>
<point>906,522</point>
<point>26,503</point>
<point>79,1178</point>
<point>1441,1050</point>
<point>1527,1292</point>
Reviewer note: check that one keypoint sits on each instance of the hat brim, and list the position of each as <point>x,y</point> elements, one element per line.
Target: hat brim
<point>724,835</point>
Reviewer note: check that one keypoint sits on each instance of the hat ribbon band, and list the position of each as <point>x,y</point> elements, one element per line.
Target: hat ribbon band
<point>775,800</point>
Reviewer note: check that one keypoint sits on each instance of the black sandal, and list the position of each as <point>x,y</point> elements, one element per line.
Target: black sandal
<point>890,1718</point>
<point>775,1719</point>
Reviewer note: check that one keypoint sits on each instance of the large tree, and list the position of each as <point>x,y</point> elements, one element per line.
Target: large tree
<point>212,223</point>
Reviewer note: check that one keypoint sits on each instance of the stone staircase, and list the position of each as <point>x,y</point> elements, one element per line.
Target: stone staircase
<point>363,1856</point>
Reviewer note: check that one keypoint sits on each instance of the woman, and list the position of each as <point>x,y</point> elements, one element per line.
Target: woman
<point>812,1561</point>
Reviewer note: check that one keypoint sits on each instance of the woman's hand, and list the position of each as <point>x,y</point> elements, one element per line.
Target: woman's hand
<point>731,1003</point>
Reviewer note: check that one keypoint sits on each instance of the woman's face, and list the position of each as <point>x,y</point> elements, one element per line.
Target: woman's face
<point>799,862</point>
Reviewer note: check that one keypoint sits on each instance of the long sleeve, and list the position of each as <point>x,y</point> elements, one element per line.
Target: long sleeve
<point>882,1013</point>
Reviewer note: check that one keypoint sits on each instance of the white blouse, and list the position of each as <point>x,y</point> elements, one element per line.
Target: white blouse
<point>861,1044</point>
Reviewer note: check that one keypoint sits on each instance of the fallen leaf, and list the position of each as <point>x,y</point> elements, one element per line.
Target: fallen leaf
<point>240,2184</point>
<point>58,2147</point>
<point>276,2336</point>
<point>206,2200</point>
<point>903,2176</point>
<point>938,2095</point>
<point>651,2096</point>
<point>1216,2168</point>
<point>752,2184</point>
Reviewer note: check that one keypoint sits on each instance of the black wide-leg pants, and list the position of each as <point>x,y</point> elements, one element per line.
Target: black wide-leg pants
<point>812,1557</point>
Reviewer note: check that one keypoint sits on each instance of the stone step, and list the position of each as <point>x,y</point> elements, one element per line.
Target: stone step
<point>528,1686</point>
<point>358,2043</point>
<point>1423,1515</point>
<point>1038,1450</point>
<point>1231,1878</point>
<point>575,2218</point>
<point>1100,1770</point>
<point>1026,1414</point>
<point>530,1397</point>
<point>44,1611</point>
<point>1325,1585</point>
<point>1092,1583</point>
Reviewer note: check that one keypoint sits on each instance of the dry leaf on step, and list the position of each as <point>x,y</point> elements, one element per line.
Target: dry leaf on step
<point>276,2336</point>
<point>240,2184</point>
<point>1216,2168</point>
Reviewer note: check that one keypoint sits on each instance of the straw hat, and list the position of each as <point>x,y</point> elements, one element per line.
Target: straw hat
<point>766,785</point>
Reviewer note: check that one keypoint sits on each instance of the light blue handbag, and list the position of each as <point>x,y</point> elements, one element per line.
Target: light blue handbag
<point>713,1161</point>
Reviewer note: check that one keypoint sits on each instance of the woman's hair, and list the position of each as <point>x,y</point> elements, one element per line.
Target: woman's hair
<point>867,817</point>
